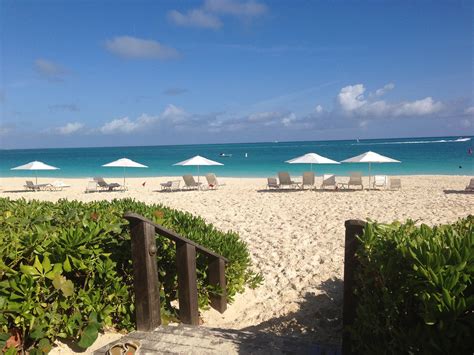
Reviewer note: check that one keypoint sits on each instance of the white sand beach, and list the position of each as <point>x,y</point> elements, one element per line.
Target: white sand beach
<point>296,238</point>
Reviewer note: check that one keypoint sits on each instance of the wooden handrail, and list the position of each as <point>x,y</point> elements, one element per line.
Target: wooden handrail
<point>173,236</point>
<point>145,271</point>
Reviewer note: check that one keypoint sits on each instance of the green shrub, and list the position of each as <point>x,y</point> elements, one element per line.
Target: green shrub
<point>415,289</point>
<point>65,267</point>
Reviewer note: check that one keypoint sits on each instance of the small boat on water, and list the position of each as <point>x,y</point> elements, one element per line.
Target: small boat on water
<point>225,155</point>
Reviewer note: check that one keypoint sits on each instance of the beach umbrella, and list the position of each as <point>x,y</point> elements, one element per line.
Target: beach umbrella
<point>35,166</point>
<point>370,157</point>
<point>124,163</point>
<point>311,158</point>
<point>198,161</point>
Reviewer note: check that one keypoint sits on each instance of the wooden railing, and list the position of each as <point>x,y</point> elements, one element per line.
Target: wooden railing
<point>145,274</point>
<point>354,228</point>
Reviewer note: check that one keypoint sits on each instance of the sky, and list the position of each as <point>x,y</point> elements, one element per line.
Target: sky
<point>118,73</point>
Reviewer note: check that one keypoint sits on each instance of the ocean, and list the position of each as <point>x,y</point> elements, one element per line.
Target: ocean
<point>440,155</point>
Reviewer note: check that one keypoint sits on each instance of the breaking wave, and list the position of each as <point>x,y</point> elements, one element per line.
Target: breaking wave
<point>419,142</point>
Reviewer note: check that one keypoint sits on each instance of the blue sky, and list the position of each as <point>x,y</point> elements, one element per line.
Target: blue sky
<point>111,73</point>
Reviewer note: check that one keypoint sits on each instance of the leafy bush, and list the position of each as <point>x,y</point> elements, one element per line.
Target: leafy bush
<point>65,267</point>
<point>415,289</point>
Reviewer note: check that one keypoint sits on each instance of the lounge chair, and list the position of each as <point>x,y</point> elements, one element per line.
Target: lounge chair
<point>272,183</point>
<point>190,183</point>
<point>308,180</point>
<point>172,185</point>
<point>58,185</point>
<point>285,180</point>
<point>470,187</point>
<point>212,181</point>
<point>108,187</point>
<point>91,186</point>
<point>329,180</point>
<point>380,181</point>
<point>36,187</point>
<point>355,179</point>
<point>395,183</point>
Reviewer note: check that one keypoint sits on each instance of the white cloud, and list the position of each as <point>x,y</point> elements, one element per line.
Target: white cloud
<point>236,8</point>
<point>351,100</point>
<point>174,114</point>
<point>210,13</point>
<point>137,48</point>
<point>195,18</point>
<point>49,70</point>
<point>422,107</point>
<point>69,128</point>
<point>120,125</point>
<point>385,89</point>
<point>319,109</point>
<point>289,119</point>
<point>351,97</point>
<point>171,115</point>
<point>469,110</point>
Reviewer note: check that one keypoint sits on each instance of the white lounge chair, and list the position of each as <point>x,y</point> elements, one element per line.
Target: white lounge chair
<point>172,185</point>
<point>355,179</point>
<point>59,185</point>
<point>308,180</point>
<point>470,187</point>
<point>272,183</point>
<point>212,181</point>
<point>190,183</point>
<point>380,181</point>
<point>395,183</point>
<point>285,180</point>
<point>329,180</point>
<point>108,187</point>
<point>36,187</point>
<point>91,187</point>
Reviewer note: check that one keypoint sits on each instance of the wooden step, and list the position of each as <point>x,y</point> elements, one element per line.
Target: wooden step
<point>184,339</point>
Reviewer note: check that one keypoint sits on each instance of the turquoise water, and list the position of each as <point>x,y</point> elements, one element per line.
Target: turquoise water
<point>418,155</point>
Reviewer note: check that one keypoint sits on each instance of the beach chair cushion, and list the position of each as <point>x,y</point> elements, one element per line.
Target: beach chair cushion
<point>285,180</point>
<point>308,178</point>
<point>395,183</point>
<point>272,183</point>
<point>380,181</point>
<point>329,180</point>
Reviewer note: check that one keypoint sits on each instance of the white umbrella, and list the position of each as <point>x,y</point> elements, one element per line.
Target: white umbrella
<point>198,161</point>
<point>370,157</point>
<point>124,163</point>
<point>35,165</point>
<point>311,158</point>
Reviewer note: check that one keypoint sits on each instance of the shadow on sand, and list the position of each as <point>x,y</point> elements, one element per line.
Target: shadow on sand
<point>460,192</point>
<point>318,319</point>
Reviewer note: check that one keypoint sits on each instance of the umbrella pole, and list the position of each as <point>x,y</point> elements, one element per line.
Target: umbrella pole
<point>123,176</point>
<point>36,177</point>
<point>369,176</point>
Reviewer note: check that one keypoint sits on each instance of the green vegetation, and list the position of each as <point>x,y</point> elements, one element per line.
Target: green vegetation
<point>415,289</point>
<point>65,268</point>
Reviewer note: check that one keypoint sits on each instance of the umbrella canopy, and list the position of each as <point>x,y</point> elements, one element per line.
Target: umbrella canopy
<point>124,163</point>
<point>35,165</point>
<point>311,158</point>
<point>198,161</point>
<point>370,157</point>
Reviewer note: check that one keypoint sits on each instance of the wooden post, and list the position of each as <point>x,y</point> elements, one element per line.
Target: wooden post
<point>145,275</point>
<point>353,228</point>
<point>187,283</point>
<point>216,277</point>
